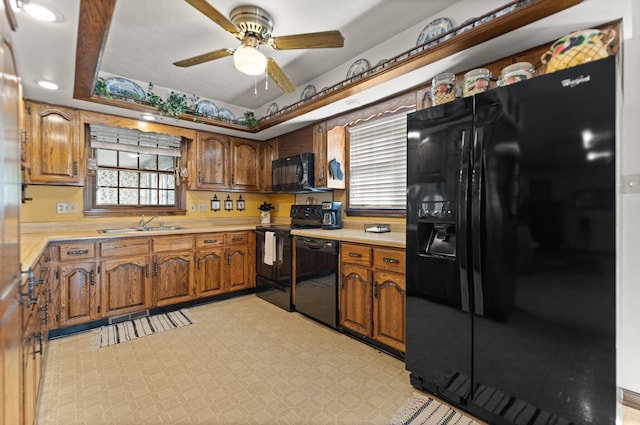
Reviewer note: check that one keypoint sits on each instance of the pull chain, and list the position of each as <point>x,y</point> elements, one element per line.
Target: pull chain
<point>255,85</point>
<point>266,82</point>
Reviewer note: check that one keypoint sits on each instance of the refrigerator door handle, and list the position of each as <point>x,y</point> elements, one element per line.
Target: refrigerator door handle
<point>462,224</point>
<point>477,220</point>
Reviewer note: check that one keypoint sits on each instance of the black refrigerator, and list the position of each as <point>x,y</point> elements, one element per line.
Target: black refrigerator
<point>511,249</point>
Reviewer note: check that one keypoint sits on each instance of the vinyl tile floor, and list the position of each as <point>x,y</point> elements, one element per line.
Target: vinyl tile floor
<point>244,361</point>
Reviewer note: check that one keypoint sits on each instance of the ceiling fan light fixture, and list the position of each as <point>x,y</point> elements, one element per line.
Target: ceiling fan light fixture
<point>249,60</point>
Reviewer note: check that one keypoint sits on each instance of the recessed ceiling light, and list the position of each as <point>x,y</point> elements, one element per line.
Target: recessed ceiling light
<point>48,85</point>
<point>148,117</point>
<point>353,102</point>
<point>40,13</point>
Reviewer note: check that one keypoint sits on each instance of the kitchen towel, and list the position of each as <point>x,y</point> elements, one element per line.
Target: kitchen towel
<point>422,410</point>
<point>269,248</point>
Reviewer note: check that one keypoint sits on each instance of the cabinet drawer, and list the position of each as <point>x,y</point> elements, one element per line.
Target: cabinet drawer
<point>173,243</point>
<point>75,251</point>
<point>355,254</point>
<point>209,240</point>
<point>389,259</point>
<point>237,238</point>
<point>125,247</point>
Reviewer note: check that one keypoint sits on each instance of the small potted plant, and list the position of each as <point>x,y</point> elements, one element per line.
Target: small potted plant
<point>265,213</point>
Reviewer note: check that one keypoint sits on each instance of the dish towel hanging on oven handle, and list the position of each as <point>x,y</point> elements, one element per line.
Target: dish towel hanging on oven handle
<point>269,248</point>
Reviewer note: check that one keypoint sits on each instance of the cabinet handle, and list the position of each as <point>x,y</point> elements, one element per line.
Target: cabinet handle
<point>146,270</point>
<point>375,290</point>
<point>322,174</point>
<point>75,168</point>
<point>210,240</point>
<point>78,252</point>
<point>355,254</point>
<point>233,179</point>
<point>391,260</point>
<point>200,177</point>
<point>198,263</point>
<point>341,281</point>
<point>236,239</point>
<point>92,277</point>
<point>155,269</point>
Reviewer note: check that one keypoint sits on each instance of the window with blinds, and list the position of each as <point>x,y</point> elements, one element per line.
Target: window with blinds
<point>134,168</point>
<point>378,164</point>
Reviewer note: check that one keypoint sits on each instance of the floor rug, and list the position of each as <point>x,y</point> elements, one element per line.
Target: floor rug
<point>422,410</point>
<point>137,328</point>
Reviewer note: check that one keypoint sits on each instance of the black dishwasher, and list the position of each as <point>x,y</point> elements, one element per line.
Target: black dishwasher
<point>316,293</point>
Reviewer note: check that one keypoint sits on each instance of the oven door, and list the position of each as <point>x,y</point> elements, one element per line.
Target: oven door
<point>273,277</point>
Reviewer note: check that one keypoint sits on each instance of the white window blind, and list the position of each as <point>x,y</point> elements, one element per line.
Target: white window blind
<point>133,140</point>
<point>378,164</point>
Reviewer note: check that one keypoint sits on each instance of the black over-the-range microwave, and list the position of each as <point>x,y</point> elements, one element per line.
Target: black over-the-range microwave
<point>293,173</point>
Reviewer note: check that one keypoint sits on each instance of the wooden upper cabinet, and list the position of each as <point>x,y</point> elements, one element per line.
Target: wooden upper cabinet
<point>54,145</point>
<point>210,162</point>
<point>268,153</point>
<point>329,156</point>
<point>245,164</point>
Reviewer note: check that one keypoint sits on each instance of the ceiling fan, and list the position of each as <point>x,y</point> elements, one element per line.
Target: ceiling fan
<point>252,25</point>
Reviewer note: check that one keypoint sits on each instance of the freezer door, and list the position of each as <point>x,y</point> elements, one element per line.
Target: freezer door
<point>543,238</point>
<point>438,347</point>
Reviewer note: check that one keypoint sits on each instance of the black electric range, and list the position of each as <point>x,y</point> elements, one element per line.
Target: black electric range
<point>274,255</point>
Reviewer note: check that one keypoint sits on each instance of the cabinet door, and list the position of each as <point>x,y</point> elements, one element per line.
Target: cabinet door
<point>389,308</point>
<point>78,294</point>
<point>212,158</point>
<point>125,285</point>
<point>355,299</point>
<point>29,365</point>
<point>210,267</point>
<point>238,269</point>
<point>268,153</point>
<point>55,148</point>
<point>320,154</point>
<point>173,275</point>
<point>246,165</point>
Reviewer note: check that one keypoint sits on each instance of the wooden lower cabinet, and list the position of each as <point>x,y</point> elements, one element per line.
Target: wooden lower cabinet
<point>210,272</point>
<point>79,297</point>
<point>125,285</point>
<point>173,278</point>
<point>372,293</point>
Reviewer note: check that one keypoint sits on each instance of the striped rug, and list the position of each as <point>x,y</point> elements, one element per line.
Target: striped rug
<point>137,328</point>
<point>422,410</point>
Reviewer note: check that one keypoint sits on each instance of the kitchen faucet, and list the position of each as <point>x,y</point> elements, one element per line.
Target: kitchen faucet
<point>143,224</point>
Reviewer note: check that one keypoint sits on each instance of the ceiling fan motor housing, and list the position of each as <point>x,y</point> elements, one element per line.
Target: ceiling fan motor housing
<point>254,21</point>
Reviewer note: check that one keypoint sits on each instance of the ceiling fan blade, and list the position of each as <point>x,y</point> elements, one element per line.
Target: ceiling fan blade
<point>279,77</point>
<point>213,14</point>
<point>205,57</point>
<point>314,40</point>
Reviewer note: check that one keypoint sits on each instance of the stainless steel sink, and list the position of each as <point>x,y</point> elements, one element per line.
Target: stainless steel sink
<point>140,229</point>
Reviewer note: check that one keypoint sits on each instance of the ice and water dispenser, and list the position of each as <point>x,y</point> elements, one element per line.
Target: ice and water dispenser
<point>437,229</point>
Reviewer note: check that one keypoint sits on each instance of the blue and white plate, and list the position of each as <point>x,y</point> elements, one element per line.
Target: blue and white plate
<point>225,114</point>
<point>206,108</point>
<point>308,91</point>
<point>120,86</point>
<point>272,109</point>
<point>484,20</point>
<point>358,67</point>
<point>505,10</point>
<point>433,30</point>
<point>465,26</point>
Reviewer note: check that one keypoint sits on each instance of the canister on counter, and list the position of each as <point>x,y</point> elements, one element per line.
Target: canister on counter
<point>476,81</point>
<point>443,88</point>
<point>516,72</point>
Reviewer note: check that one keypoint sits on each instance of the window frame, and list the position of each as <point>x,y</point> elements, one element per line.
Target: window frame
<point>94,210</point>
<point>370,212</point>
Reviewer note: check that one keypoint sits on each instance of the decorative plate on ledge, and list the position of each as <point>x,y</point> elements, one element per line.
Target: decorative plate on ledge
<point>226,115</point>
<point>120,86</point>
<point>433,30</point>
<point>465,26</point>
<point>272,109</point>
<point>207,108</point>
<point>358,67</point>
<point>308,91</point>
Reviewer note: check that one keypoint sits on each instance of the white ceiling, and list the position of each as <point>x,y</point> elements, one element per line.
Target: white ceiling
<point>147,36</point>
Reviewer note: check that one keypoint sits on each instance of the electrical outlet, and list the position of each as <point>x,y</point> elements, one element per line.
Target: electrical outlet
<point>192,207</point>
<point>202,207</point>
<point>66,207</point>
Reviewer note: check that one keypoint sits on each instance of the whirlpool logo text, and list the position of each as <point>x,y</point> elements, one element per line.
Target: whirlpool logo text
<point>574,82</point>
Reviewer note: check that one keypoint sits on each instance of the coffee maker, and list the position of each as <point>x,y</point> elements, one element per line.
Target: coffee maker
<point>332,215</point>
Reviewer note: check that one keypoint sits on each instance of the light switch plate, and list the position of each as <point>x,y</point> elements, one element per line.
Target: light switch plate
<point>631,183</point>
<point>202,207</point>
